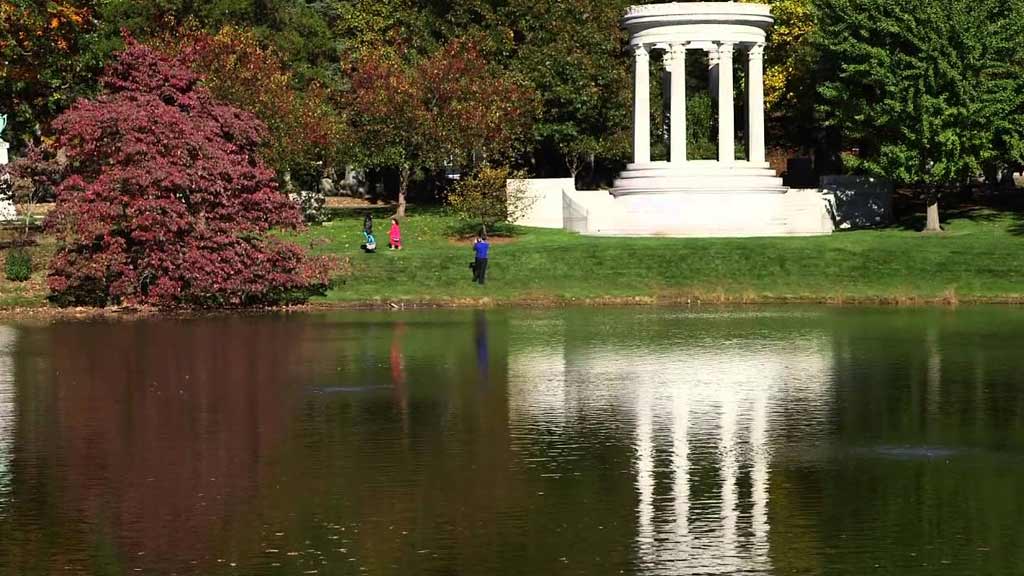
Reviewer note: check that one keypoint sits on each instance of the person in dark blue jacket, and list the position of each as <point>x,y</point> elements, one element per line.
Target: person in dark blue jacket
<point>481,249</point>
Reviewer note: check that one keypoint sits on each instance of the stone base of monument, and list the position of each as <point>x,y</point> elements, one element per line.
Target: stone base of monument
<point>706,198</point>
<point>735,214</point>
<point>704,176</point>
<point>763,208</point>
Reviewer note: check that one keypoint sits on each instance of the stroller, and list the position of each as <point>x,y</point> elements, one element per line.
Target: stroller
<point>370,244</point>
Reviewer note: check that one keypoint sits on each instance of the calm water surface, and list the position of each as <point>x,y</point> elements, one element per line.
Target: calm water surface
<point>637,441</point>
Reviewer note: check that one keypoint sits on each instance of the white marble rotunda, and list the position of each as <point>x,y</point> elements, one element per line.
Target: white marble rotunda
<point>725,31</point>
<point>679,195</point>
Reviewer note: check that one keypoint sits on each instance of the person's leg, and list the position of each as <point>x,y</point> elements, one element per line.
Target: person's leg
<point>482,265</point>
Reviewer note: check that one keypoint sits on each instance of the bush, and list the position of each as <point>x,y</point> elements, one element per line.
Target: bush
<point>18,265</point>
<point>165,201</point>
<point>486,197</point>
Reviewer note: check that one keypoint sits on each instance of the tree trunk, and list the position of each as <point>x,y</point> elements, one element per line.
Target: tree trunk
<point>403,186</point>
<point>932,224</point>
<point>572,162</point>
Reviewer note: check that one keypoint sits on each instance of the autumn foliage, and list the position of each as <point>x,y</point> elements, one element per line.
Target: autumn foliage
<point>44,60</point>
<point>164,200</point>
<point>452,107</point>
<point>304,126</point>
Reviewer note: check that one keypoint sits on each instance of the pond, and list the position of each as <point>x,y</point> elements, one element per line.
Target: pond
<point>646,441</point>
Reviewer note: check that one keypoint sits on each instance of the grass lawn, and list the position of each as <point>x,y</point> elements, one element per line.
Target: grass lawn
<point>980,257</point>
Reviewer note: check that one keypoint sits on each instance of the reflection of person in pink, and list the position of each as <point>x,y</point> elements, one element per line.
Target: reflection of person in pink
<point>395,236</point>
<point>398,369</point>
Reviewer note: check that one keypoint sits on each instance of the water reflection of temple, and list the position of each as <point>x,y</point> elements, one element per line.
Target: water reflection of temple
<point>701,416</point>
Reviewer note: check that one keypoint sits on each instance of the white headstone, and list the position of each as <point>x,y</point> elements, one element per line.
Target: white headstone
<point>7,211</point>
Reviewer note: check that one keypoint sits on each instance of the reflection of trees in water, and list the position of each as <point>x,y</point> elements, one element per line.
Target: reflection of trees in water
<point>157,434</point>
<point>423,493</point>
<point>713,444</point>
<point>926,415</point>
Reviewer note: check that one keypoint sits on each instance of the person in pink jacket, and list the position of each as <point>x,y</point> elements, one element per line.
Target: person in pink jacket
<point>395,236</point>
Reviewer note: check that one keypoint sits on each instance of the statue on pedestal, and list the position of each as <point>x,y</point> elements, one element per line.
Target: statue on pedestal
<point>3,145</point>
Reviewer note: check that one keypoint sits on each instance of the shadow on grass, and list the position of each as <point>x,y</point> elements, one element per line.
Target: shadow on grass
<point>382,211</point>
<point>466,229</point>
<point>977,207</point>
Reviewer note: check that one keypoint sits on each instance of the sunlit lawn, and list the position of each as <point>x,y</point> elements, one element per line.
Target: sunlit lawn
<point>977,258</point>
<point>981,257</point>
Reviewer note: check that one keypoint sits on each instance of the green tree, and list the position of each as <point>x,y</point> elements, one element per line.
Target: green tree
<point>790,61</point>
<point>572,53</point>
<point>394,29</point>
<point>930,92</point>
<point>299,31</point>
<point>47,60</point>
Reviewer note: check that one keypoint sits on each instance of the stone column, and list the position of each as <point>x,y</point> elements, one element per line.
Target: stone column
<point>676,65</point>
<point>726,124</point>
<point>641,105</point>
<point>755,103</point>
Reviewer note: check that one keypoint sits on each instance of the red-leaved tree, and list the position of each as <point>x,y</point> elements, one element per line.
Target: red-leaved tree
<point>164,200</point>
<point>452,107</point>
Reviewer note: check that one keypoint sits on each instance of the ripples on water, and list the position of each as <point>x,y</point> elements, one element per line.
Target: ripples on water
<point>758,441</point>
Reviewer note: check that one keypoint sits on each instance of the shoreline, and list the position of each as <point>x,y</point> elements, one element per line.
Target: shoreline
<point>48,313</point>
<point>978,261</point>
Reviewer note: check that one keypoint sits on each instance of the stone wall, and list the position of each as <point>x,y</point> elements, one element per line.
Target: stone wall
<point>545,198</point>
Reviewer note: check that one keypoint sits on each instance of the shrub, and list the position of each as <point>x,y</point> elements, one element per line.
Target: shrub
<point>486,197</point>
<point>18,265</point>
<point>164,200</point>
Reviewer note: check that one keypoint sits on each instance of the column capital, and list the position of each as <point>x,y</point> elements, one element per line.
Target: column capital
<point>757,50</point>
<point>675,53</point>
<point>640,51</point>
<point>725,49</point>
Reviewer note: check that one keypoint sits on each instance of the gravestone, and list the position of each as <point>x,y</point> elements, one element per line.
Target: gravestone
<point>7,211</point>
<point>859,201</point>
<point>799,173</point>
